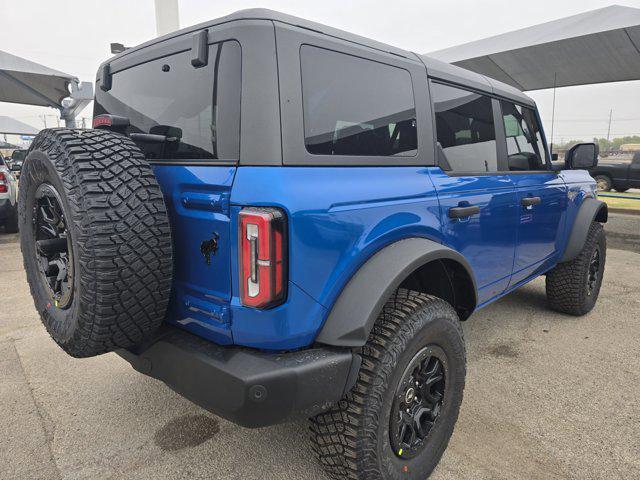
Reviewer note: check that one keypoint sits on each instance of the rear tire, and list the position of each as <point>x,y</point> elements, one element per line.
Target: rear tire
<point>573,287</point>
<point>362,436</point>
<point>95,240</point>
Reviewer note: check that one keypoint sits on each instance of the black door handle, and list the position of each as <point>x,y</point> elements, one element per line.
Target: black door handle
<point>530,201</point>
<point>463,212</point>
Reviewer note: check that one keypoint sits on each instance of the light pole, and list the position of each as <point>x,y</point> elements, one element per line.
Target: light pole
<point>167,18</point>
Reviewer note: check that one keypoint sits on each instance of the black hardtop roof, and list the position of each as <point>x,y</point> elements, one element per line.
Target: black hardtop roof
<point>437,68</point>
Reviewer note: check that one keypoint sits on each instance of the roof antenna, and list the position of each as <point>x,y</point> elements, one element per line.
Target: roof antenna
<point>553,109</point>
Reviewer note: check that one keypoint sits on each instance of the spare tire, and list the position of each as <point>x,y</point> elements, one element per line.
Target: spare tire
<point>95,240</point>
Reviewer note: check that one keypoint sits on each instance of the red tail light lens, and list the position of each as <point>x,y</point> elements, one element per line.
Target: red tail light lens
<point>111,122</point>
<point>101,121</point>
<point>3,183</point>
<point>262,250</point>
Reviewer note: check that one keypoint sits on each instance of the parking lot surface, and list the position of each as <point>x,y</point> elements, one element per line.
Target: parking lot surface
<point>548,396</point>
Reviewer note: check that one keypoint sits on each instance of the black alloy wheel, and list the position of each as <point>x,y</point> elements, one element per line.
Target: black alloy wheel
<point>418,402</point>
<point>53,245</point>
<point>594,271</point>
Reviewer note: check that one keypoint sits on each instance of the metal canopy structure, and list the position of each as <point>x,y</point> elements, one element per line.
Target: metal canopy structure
<point>26,82</point>
<point>599,46</point>
<point>11,126</point>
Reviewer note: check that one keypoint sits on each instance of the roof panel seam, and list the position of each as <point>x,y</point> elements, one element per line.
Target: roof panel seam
<point>632,42</point>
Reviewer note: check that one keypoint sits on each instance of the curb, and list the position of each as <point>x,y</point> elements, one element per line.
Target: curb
<point>626,211</point>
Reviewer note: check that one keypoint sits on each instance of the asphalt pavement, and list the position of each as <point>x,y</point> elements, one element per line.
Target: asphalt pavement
<point>548,397</point>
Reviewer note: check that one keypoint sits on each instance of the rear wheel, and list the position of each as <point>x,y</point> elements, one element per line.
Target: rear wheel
<point>95,240</point>
<point>397,420</point>
<point>603,182</point>
<point>621,190</point>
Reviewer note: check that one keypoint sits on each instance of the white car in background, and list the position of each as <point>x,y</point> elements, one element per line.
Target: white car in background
<point>8,198</point>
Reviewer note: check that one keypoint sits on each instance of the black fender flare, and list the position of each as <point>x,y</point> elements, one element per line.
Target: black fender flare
<point>362,299</point>
<point>591,210</point>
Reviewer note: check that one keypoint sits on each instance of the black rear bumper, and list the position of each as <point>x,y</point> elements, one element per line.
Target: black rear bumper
<point>6,208</point>
<point>248,387</point>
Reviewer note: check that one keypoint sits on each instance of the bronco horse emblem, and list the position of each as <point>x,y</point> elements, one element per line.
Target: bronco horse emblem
<point>208,247</point>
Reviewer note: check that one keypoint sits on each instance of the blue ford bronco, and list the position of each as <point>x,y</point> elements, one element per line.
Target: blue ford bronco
<point>279,219</point>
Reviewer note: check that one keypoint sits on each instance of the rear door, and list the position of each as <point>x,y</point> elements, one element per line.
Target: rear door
<point>477,202</point>
<point>186,120</point>
<point>541,192</point>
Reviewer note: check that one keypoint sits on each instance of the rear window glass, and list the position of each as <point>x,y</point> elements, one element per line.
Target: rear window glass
<point>197,109</point>
<point>354,106</point>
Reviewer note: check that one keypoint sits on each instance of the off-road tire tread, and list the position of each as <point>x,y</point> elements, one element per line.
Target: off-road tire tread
<point>565,283</point>
<point>343,438</point>
<point>124,243</point>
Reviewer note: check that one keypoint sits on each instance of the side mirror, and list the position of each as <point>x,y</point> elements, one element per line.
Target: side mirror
<point>554,157</point>
<point>582,156</point>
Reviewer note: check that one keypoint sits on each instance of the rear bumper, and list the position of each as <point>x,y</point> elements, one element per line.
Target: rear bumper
<point>6,208</point>
<point>248,387</point>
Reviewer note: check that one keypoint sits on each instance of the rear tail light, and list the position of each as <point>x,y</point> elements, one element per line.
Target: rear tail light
<point>3,183</point>
<point>262,250</point>
<point>110,122</point>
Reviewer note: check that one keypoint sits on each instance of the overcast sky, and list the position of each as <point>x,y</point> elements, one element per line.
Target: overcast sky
<point>73,36</point>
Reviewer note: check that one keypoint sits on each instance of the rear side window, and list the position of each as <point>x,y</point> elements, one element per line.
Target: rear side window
<point>465,130</point>
<point>197,109</point>
<point>525,148</point>
<point>354,106</point>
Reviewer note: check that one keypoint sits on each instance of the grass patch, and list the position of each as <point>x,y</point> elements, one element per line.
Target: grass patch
<point>621,202</point>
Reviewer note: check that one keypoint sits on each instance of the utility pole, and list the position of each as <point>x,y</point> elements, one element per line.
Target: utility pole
<point>609,130</point>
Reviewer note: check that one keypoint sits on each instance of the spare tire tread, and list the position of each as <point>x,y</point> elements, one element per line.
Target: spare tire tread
<point>123,239</point>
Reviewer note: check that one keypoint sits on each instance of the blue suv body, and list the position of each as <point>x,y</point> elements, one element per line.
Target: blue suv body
<point>312,178</point>
<point>282,83</point>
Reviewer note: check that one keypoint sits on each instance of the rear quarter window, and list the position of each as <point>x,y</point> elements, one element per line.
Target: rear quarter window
<point>198,109</point>
<point>354,106</point>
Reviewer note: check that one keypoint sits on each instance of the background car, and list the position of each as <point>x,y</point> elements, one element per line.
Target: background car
<point>8,198</point>
<point>17,158</point>
<point>618,176</point>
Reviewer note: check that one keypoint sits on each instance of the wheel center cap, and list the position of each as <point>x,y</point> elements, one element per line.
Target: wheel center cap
<point>409,395</point>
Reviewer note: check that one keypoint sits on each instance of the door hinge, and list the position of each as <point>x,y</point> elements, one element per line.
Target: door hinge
<point>213,202</point>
